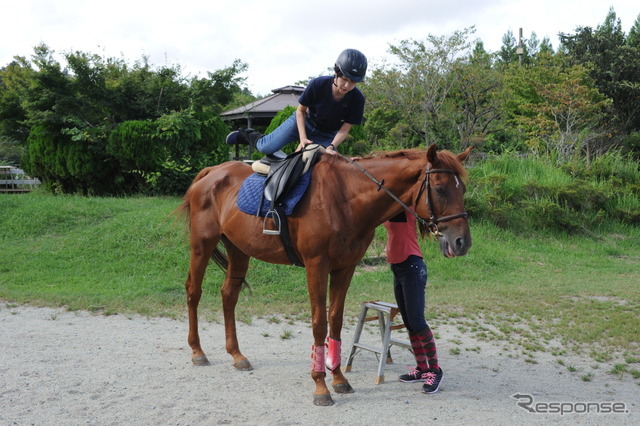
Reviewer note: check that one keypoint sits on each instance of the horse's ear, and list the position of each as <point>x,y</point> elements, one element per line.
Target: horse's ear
<point>464,155</point>
<point>432,153</point>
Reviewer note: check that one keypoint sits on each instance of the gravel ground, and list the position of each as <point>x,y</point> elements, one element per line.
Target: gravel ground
<point>70,368</point>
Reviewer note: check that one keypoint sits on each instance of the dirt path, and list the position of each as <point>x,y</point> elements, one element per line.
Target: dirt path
<point>69,368</point>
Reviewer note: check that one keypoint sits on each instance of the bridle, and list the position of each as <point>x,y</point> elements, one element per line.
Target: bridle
<point>432,223</point>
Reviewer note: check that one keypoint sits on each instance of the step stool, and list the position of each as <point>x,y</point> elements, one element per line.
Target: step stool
<point>385,315</point>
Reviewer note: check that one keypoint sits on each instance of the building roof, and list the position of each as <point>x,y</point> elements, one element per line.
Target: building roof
<point>266,108</point>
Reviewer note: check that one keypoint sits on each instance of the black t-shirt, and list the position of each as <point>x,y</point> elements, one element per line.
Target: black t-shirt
<point>327,114</point>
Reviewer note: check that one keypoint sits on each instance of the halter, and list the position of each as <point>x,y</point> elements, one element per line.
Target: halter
<point>432,223</point>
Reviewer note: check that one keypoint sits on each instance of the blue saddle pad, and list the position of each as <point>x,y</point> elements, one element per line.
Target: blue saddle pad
<point>252,189</point>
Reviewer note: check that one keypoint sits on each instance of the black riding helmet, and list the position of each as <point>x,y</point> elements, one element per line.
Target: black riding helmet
<point>352,64</point>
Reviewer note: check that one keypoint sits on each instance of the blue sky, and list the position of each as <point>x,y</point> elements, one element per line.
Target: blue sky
<point>282,41</point>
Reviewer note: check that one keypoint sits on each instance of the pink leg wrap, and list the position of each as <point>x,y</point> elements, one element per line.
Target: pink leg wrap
<point>333,353</point>
<point>317,359</point>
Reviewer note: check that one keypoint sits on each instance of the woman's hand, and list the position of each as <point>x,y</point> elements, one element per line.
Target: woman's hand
<point>331,149</point>
<point>303,143</point>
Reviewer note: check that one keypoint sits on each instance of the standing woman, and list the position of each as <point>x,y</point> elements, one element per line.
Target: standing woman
<point>409,287</point>
<point>327,109</point>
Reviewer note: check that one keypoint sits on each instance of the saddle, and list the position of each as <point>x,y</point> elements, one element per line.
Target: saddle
<point>282,173</point>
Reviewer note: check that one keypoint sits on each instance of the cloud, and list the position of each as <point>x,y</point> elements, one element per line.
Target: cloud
<point>282,41</point>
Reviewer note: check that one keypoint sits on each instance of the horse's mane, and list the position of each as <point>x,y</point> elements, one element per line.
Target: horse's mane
<point>448,159</point>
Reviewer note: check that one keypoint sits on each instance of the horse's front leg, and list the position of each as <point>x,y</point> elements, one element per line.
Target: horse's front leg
<point>317,278</point>
<point>340,281</point>
<point>230,291</point>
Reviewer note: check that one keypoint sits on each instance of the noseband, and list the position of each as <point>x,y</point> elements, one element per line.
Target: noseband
<point>433,221</point>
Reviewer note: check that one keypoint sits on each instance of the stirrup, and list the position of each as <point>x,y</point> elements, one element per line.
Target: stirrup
<point>274,215</point>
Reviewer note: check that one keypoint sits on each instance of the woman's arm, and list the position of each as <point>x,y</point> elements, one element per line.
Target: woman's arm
<point>301,116</point>
<point>339,138</point>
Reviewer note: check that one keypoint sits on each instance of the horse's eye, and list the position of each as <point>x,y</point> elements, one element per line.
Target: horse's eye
<point>440,190</point>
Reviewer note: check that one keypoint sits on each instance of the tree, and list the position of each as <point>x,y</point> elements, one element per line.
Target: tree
<point>473,105</point>
<point>508,50</point>
<point>615,67</point>
<point>418,84</point>
<point>162,156</point>
<point>15,79</point>
<point>219,89</point>
<point>556,107</point>
<point>633,39</point>
<point>381,129</point>
<point>64,115</point>
<point>531,47</point>
<point>66,160</point>
<point>545,47</point>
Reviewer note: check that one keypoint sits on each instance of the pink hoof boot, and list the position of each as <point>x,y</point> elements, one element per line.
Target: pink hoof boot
<point>317,359</point>
<point>333,353</point>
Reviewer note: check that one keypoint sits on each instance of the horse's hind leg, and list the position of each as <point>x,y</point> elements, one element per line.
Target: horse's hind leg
<point>201,250</point>
<point>230,291</point>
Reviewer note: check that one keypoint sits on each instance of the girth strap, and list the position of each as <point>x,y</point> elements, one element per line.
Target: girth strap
<point>283,175</point>
<point>285,237</point>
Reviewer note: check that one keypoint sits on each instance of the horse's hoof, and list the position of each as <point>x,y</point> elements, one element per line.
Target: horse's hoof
<point>200,360</point>
<point>323,400</point>
<point>243,365</point>
<point>343,388</point>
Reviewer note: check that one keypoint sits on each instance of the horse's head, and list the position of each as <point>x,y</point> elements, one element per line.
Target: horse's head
<point>440,200</point>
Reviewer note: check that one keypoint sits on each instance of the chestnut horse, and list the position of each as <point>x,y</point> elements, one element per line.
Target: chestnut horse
<point>331,229</point>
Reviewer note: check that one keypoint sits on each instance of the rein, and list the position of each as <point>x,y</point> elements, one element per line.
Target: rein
<point>432,224</point>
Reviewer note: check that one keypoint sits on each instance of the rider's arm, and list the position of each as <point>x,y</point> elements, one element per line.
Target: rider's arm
<point>339,138</point>
<point>301,114</point>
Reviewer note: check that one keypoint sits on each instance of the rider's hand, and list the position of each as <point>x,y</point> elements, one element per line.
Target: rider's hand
<point>303,144</point>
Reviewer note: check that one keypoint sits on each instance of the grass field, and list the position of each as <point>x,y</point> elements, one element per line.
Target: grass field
<point>130,255</point>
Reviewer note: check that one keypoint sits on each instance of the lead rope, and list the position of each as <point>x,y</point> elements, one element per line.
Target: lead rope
<point>381,186</point>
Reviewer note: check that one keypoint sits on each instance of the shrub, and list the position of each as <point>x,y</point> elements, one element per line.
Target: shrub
<point>69,164</point>
<point>523,194</point>
<point>164,155</point>
<point>132,143</point>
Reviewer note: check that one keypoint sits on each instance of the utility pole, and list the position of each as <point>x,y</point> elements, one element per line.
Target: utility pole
<point>520,49</point>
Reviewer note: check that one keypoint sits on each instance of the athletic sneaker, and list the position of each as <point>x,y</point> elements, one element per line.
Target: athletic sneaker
<point>414,375</point>
<point>432,380</point>
<point>232,138</point>
<point>244,137</point>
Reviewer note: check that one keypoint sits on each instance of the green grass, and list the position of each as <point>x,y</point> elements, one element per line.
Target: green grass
<point>541,292</point>
<point>103,254</point>
<point>521,193</point>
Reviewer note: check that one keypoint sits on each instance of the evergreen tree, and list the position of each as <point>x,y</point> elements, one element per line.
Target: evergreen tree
<point>546,47</point>
<point>508,50</point>
<point>615,68</point>
<point>633,39</point>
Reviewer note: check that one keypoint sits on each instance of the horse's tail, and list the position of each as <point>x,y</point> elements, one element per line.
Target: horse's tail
<point>220,258</point>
